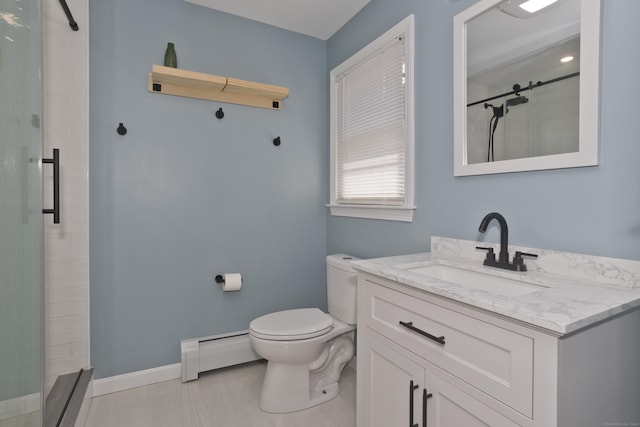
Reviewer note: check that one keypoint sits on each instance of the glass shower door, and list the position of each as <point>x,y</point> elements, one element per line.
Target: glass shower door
<point>21,254</point>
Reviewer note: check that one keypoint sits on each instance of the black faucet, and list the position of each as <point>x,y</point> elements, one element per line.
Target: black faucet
<point>503,257</point>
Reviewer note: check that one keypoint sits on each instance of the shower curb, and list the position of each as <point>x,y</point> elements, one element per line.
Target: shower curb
<point>65,398</point>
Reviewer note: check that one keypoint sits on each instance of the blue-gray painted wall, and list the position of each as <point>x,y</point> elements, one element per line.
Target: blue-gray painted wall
<point>184,196</point>
<point>593,210</point>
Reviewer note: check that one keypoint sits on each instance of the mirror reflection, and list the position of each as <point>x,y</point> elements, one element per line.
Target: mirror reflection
<point>523,80</point>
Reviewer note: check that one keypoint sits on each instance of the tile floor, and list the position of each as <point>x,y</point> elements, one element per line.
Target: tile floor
<point>223,398</point>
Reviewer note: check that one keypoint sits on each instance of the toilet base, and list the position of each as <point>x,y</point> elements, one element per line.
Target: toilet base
<point>322,396</point>
<point>286,389</point>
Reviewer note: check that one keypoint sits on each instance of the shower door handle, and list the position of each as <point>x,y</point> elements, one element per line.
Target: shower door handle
<point>56,186</point>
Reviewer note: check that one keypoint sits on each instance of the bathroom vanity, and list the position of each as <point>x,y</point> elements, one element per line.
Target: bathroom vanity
<point>444,341</point>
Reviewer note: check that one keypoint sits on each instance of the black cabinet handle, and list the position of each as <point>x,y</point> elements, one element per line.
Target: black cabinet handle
<point>56,186</point>
<point>409,325</point>
<point>425,396</point>
<point>412,387</point>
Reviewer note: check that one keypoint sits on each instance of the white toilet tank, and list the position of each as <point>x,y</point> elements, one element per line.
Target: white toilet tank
<point>342,288</point>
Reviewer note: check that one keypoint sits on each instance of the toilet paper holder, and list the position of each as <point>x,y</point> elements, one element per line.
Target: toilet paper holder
<point>219,278</point>
<point>230,282</point>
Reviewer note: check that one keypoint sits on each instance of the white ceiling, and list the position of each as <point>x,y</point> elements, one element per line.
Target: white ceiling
<point>316,18</point>
<point>504,50</point>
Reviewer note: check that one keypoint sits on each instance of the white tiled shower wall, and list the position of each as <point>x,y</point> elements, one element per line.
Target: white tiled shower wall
<point>66,245</point>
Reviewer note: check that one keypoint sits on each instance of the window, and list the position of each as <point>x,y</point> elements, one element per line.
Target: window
<point>372,129</point>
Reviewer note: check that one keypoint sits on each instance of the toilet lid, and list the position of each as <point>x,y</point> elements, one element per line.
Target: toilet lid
<point>290,325</point>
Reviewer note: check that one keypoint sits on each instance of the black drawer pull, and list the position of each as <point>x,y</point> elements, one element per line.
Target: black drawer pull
<point>409,325</point>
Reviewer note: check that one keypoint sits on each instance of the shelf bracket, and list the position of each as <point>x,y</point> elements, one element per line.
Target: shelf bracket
<point>72,23</point>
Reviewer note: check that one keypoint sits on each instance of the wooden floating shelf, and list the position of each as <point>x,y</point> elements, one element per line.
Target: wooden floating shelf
<point>192,84</point>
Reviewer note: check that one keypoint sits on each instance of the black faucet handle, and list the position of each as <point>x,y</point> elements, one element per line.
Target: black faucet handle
<point>517,259</point>
<point>491,256</point>
<point>521,254</point>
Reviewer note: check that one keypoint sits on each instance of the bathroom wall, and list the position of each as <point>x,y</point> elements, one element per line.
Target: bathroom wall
<point>184,196</point>
<point>66,245</point>
<point>593,210</point>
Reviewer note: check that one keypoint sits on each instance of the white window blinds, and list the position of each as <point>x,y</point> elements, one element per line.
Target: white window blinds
<point>372,135</point>
<point>370,129</point>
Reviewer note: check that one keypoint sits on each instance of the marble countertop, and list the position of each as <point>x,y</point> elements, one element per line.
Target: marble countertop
<point>565,304</point>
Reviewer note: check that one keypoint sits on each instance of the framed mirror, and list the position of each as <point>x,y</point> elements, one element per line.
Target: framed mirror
<point>526,85</point>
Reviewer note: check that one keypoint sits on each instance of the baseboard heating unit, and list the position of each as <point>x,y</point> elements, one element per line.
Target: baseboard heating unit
<point>217,351</point>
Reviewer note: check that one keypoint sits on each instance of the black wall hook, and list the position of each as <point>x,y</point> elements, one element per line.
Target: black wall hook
<point>220,113</point>
<point>121,129</point>
<point>276,141</point>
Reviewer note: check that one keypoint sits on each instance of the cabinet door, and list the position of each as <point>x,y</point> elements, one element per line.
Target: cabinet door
<point>449,406</point>
<point>389,384</point>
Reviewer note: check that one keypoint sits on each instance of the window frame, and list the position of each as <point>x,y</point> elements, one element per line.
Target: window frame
<point>395,212</point>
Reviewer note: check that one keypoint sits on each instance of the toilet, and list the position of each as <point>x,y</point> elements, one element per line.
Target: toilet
<point>307,348</point>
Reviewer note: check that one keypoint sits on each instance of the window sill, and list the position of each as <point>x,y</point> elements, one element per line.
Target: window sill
<point>390,213</point>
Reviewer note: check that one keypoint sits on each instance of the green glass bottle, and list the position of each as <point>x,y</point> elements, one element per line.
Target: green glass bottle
<point>170,58</point>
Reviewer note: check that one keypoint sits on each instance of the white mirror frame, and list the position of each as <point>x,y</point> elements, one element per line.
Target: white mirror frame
<point>589,115</point>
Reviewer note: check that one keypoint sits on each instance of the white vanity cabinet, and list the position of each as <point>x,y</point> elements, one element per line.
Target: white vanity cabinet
<point>400,389</point>
<point>428,361</point>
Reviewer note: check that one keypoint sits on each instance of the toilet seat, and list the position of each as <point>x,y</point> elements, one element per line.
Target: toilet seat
<point>290,325</point>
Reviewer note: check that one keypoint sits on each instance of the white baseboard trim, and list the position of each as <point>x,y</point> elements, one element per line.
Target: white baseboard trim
<point>20,406</point>
<point>131,380</point>
<point>136,379</point>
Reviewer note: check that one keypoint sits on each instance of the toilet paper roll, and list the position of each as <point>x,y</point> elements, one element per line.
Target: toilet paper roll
<point>232,282</point>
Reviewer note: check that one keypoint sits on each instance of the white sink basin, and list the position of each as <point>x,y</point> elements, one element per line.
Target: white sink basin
<point>475,280</point>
